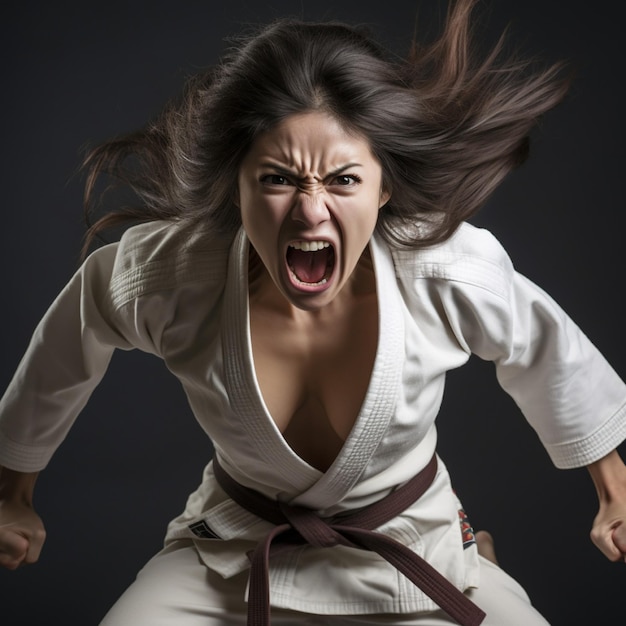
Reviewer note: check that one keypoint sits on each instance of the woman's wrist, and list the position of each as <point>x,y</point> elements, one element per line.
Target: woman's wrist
<point>609,477</point>
<point>17,486</point>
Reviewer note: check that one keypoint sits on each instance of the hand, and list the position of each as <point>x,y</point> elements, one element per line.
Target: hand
<point>609,527</point>
<point>609,531</point>
<point>22,535</point>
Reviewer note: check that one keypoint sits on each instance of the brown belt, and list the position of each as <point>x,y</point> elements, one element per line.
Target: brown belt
<point>296,526</point>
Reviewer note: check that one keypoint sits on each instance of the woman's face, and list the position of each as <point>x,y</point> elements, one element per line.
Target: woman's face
<point>309,194</point>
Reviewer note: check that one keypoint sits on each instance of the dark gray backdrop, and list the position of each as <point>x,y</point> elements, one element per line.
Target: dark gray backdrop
<point>80,72</point>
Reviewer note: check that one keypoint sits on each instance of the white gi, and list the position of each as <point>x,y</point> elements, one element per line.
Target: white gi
<point>183,296</point>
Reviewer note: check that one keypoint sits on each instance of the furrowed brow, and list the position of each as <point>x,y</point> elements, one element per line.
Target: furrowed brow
<point>285,171</point>
<point>341,170</point>
<point>278,169</point>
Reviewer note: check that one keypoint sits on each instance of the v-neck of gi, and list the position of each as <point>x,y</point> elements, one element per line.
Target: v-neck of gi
<point>317,489</point>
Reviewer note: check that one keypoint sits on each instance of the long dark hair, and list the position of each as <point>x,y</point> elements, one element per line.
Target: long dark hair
<point>446,126</point>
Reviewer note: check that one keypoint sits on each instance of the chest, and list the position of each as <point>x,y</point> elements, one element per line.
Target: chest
<point>313,377</point>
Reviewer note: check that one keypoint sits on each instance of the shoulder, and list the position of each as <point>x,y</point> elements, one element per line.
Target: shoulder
<point>162,255</point>
<point>471,255</point>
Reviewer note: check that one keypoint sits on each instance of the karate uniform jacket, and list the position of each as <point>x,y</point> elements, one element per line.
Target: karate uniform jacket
<point>183,295</point>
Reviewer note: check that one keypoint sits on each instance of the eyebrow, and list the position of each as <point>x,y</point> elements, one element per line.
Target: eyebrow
<point>284,171</point>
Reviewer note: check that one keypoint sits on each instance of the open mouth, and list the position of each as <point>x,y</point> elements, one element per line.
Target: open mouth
<point>311,262</point>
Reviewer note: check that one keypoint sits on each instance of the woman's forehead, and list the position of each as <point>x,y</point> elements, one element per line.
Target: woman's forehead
<point>303,140</point>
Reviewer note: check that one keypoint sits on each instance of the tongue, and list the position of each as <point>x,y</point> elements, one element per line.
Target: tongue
<point>309,267</point>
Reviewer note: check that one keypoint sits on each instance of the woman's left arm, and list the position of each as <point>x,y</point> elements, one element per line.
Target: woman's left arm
<point>609,527</point>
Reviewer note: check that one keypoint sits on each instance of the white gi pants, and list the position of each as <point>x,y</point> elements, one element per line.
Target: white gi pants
<point>176,589</point>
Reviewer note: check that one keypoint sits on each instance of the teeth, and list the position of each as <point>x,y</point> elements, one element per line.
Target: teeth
<point>301,282</point>
<point>310,246</point>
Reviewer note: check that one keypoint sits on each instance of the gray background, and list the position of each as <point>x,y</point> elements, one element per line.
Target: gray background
<point>77,73</point>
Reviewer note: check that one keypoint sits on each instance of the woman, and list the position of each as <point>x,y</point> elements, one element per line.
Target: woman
<point>305,270</point>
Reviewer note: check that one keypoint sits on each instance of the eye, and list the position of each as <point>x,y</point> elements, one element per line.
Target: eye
<point>345,180</point>
<point>274,179</point>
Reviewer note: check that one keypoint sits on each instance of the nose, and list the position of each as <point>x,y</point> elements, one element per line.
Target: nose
<point>310,209</point>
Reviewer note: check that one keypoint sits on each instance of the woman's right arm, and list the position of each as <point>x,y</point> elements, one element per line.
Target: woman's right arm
<point>22,532</point>
<point>66,357</point>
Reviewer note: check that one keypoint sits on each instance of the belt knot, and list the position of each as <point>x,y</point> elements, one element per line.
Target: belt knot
<point>313,529</point>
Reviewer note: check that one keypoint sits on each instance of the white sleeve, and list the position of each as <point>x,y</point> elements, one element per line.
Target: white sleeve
<point>67,356</point>
<point>563,385</point>
<point>566,389</point>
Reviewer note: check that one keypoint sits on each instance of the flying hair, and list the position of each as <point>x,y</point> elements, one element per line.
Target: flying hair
<point>446,123</point>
